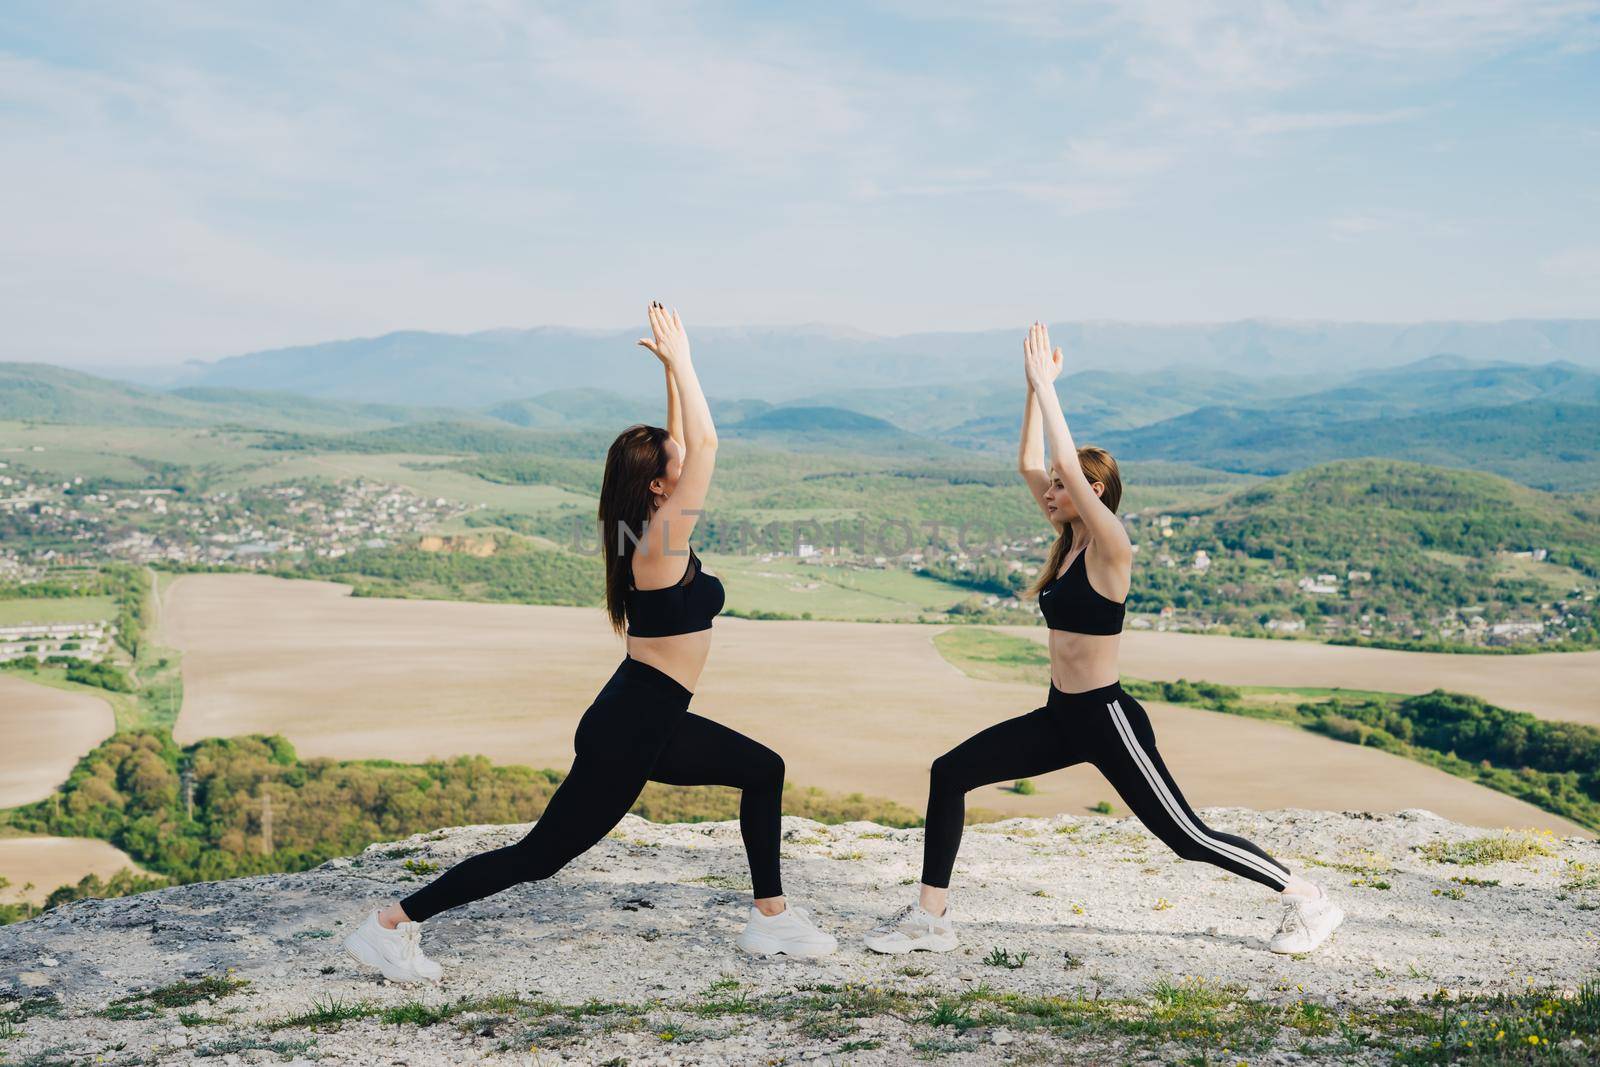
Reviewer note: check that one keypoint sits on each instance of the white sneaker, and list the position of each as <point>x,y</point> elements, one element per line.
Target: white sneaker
<point>1307,922</point>
<point>790,931</point>
<point>911,929</point>
<point>397,953</point>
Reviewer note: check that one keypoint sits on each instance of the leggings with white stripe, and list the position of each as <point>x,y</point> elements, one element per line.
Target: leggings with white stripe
<point>1107,728</point>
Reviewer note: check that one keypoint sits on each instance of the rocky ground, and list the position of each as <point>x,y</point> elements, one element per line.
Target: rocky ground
<point>1082,940</point>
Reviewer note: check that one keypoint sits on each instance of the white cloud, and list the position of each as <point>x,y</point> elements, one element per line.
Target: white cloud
<point>1207,48</point>
<point>1064,197</point>
<point>1581,264</point>
<point>1094,155</point>
<point>1415,225</point>
<point>1351,227</point>
<point>762,101</point>
<point>1051,20</point>
<point>201,208</point>
<point>1278,122</point>
<point>202,178</point>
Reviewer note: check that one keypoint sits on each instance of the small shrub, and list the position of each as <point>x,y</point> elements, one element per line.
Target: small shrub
<point>326,1011</point>
<point>999,957</point>
<point>1504,849</point>
<point>181,994</point>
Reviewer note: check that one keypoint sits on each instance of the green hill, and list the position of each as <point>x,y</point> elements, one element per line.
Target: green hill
<point>42,393</point>
<point>38,391</point>
<point>565,408</point>
<point>831,429</point>
<point>1379,506</point>
<point>819,420</point>
<point>452,436</point>
<point>1551,444</point>
<point>267,408</point>
<point>1429,546</point>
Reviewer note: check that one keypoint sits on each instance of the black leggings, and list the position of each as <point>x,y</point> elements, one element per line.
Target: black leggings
<point>1107,728</point>
<point>638,729</point>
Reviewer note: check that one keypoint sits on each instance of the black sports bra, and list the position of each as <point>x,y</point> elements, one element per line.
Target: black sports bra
<point>684,608</point>
<point>1070,603</point>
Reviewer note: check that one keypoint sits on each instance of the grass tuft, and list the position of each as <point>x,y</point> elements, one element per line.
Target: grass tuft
<point>326,1011</point>
<point>1507,848</point>
<point>182,994</point>
<point>999,957</point>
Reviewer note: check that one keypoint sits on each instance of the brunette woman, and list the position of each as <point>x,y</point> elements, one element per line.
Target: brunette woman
<point>639,729</point>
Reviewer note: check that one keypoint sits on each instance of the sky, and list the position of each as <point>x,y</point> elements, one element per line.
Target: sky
<point>193,180</point>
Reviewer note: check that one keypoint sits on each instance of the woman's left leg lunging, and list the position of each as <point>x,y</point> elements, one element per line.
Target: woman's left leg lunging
<point>702,752</point>
<point>1016,748</point>
<point>1022,747</point>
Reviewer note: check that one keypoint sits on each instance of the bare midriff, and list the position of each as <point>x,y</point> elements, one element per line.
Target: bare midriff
<point>680,657</point>
<point>1081,662</point>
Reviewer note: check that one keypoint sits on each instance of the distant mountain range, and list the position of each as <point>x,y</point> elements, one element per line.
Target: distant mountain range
<point>786,363</point>
<point>1539,423</point>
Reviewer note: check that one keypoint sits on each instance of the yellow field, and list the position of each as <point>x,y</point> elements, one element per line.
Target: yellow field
<point>46,731</point>
<point>1551,685</point>
<point>852,707</point>
<point>51,862</point>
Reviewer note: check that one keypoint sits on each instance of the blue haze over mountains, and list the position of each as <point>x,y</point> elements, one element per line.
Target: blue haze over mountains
<point>785,363</point>
<point>1253,397</point>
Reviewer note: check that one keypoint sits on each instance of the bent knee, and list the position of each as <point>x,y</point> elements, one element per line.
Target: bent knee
<point>767,768</point>
<point>945,773</point>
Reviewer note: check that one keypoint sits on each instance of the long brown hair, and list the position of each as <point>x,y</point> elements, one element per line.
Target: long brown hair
<point>637,457</point>
<point>1098,466</point>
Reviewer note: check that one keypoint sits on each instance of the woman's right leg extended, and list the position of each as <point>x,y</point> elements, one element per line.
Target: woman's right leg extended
<point>1017,748</point>
<point>618,740</point>
<point>1126,754</point>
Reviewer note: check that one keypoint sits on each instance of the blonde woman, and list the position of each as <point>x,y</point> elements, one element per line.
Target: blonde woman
<point>1087,717</point>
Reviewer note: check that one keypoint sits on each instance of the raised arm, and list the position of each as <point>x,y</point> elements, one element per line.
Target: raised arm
<point>674,408</point>
<point>676,517</point>
<point>1030,452</point>
<point>1108,537</point>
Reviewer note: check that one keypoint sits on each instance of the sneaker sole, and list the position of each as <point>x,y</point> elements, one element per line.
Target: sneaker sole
<point>926,944</point>
<point>770,946</point>
<point>358,949</point>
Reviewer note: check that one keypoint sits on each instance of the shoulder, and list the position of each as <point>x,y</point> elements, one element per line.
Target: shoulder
<point>1110,552</point>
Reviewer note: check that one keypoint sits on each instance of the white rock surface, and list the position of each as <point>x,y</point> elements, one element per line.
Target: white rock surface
<point>1100,907</point>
